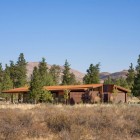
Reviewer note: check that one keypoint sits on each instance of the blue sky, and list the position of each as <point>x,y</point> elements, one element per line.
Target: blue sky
<point>82,31</point>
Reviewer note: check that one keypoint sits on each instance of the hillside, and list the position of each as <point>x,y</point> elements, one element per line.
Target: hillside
<point>79,75</point>
<point>31,65</point>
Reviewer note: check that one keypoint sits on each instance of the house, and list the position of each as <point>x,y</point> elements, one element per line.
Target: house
<point>90,93</point>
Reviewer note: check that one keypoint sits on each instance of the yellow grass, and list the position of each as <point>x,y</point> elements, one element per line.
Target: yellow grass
<point>61,122</point>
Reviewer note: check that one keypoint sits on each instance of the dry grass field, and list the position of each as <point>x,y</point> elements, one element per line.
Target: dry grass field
<point>80,122</point>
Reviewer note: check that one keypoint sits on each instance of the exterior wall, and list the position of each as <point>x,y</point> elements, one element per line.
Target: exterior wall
<point>120,97</point>
<point>76,97</point>
<point>108,90</point>
<point>26,97</point>
<point>92,97</point>
<point>95,96</point>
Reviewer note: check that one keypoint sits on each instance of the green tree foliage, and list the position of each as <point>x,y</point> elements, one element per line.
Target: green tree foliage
<point>13,73</point>
<point>68,78</point>
<point>123,82</point>
<point>108,81</point>
<point>138,65</point>
<point>1,77</point>
<point>130,76</point>
<point>35,86</point>
<point>7,82</point>
<point>46,77</point>
<point>136,87</point>
<point>21,71</point>
<point>66,74</point>
<point>92,76</point>
<point>47,96</point>
<point>55,71</point>
<point>66,95</point>
<point>73,79</point>
<point>43,70</point>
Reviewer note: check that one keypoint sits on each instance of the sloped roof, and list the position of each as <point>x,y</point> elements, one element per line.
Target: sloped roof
<point>17,90</point>
<point>55,88</point>
<point>122,89</point>
<point>66,87</point>
<point>72,87</point>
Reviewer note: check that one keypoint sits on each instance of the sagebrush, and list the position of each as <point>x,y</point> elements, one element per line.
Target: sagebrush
<point>101,122</point>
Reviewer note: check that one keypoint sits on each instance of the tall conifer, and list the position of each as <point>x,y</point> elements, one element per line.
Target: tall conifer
<point>21,71</point>
<point>136,87</point>
<point>92,76</point>
<point>35,85</point>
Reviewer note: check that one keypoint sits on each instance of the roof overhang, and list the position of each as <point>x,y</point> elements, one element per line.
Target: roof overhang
<point>56,88</point>
<point>122,89</point>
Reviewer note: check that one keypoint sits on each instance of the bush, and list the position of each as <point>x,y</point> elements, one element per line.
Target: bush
<point>71,122</point>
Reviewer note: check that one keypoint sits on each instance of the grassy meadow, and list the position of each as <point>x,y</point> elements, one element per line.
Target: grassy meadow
<point>60,122</point>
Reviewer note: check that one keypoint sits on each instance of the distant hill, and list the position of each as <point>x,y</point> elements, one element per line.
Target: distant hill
<point>104,75</point>
<point>79,75</point>
<point>31,65</point>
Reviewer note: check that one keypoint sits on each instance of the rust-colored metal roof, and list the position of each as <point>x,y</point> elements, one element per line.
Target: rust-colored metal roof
<point>17,90</point>
<point>66,87</point>
<point>55,88</point>
<point>72,87</point>
<point>122,89</point>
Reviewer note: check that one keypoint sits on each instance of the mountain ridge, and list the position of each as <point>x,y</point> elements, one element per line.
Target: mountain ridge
<point>79,75</point>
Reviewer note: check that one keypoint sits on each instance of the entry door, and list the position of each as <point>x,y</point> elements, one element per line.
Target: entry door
<point>105,97</point>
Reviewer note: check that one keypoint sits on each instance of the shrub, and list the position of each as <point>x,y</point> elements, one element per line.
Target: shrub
<point>70,122</point>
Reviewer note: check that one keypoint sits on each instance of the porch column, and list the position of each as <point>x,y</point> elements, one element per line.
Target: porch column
<point>125,97</point>
<point>12,98</point>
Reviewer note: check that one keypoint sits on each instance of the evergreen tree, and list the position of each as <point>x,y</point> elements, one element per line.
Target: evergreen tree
<point>21,71</point>
<point>136,87</point>
<point>138,66</point>
<point>73,79</point>
<point>46,77</point>
<point>35,85</point>
<point>117,82</point>
<point>123,83</point>
<point>66,74</point>
<point>55,71</point>
<point>43,70</point>
<point>130,76</point>
<point>1,77</point>
<point>49,80</point>
<point>7,82</point>
<point>108,80</point>
<point>92,76</point>
<point>13,73</point>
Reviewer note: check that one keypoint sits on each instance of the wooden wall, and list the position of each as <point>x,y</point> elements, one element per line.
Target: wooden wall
<point>76,97</point>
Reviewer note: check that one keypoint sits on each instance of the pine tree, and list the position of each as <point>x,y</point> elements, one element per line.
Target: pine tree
<point>55,71</point>
<point>130,76</point>
<point>21,71</point>
<point>123,82</point>
<point>1,77</point>
<point>92,76</point>
<point>46,77</point>
<point>73,79</point>
<point>138,66</point>
<point>117,82</point>
<point>13,73</point>
<point>7,82</point>
<point>136,87</point>
<point>35,85</point>
<point>43,70</point>
<point>66,74</point>
<point>108,80</point>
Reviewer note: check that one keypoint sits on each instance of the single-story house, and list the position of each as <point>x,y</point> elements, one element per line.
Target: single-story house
<point>90,93</point>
